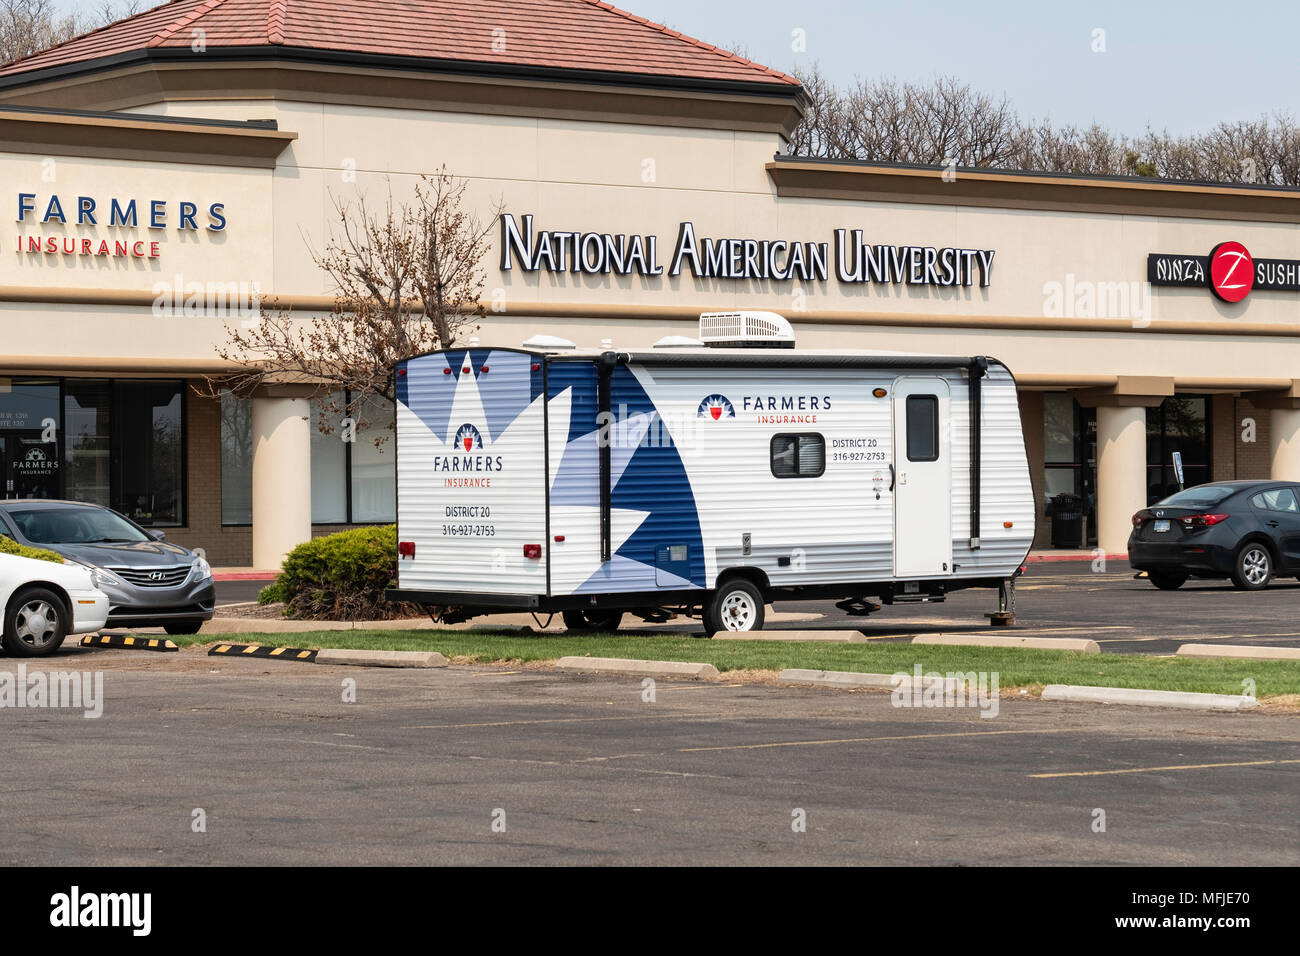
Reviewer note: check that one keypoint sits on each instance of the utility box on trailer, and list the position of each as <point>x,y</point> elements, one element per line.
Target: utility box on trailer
<point>711,477</point>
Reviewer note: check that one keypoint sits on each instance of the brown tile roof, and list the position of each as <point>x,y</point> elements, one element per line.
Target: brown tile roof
<point>560,35</point>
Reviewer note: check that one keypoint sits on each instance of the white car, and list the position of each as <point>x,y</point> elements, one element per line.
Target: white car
<point>44,602</point>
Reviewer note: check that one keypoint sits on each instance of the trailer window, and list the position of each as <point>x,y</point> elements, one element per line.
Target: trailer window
<point>922,428</point>
<point>798,456</point>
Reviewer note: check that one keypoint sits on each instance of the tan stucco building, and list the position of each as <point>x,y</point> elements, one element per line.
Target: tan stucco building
<point>197,148</point>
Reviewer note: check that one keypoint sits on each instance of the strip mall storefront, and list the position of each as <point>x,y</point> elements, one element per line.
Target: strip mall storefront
<point>154,194</point>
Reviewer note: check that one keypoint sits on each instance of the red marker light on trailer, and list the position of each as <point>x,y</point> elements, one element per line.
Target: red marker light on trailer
<point>446,371</point>
<point>465,370</point>
<point>406,549</point>
<point>559,537</point>
<point>537,366</point>
<point>532,551</point>
<point>483,369</point>
<point>401,371</point>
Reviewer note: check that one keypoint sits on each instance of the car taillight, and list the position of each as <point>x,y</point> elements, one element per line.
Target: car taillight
<point>1139,518</point>
<point>1201,521</point>
<point>532,551</point>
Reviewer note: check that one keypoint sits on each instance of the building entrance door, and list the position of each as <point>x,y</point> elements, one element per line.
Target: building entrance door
<point>30,466</point>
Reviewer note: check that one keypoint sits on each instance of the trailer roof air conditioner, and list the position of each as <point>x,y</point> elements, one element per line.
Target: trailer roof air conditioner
<point>746,330</point>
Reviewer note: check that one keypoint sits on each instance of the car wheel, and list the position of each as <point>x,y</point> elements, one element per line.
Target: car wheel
<point>1254,568</point>
<point>736,606</point>
<point>185,627</point>
<point>1167,580</point>
<point>592,620</point>
<point>35,623</point>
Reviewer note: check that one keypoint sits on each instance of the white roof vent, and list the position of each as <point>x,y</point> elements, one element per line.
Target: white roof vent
<point>747,330</point>
<point>549,343</point>
<point>678,342</point>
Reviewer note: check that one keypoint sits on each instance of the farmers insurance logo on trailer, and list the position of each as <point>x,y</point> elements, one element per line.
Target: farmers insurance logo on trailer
<point>716,407</point>
<point>469,437</point>
<point>1229,271</point>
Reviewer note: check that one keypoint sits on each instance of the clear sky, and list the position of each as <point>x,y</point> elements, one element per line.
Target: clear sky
<point>1181,66</point>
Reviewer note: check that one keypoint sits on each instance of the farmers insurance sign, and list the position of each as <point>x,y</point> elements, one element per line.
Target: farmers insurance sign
<point>853,258</point>
<point>1229,271</point>
<point>47,217</point>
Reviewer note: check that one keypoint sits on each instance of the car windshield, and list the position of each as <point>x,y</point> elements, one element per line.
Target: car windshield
<point>75,526</point>
<point>1206,496</point>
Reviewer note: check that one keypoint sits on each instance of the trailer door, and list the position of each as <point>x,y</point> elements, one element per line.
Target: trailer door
<point>922,478</point>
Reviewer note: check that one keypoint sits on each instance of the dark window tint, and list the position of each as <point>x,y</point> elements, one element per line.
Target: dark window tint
<point>922,428</point>
<point>1205,496</point>
<point>798,456</point>
<point>1279,499</point>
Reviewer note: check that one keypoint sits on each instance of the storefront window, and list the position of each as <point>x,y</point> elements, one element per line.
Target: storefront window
<point>374,476</point>
<point>1179,424</point>
<point>149,450</point>
<point>236,460</point>
<point>329,470</point>
<point>87,419</point>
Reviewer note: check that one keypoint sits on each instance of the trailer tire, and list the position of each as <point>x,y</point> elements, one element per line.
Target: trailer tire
<point>736,607</point>
<point>590,621</point>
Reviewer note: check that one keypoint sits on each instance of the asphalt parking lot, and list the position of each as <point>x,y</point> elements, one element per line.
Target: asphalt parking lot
<point>585,771</point>
<point>1054,599</point>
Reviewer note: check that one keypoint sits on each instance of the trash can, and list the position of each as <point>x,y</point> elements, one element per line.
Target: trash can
<point>1067,521</point>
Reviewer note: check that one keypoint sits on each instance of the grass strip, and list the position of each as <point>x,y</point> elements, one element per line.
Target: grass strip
<point>1015,667</point>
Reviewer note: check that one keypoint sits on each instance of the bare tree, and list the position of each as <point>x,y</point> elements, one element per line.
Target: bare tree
<point>945,122</point>
<point>29,26</point>
<point>408,278</point>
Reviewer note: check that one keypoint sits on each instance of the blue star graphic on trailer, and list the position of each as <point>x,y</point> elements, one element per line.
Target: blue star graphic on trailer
<point>716,407</point>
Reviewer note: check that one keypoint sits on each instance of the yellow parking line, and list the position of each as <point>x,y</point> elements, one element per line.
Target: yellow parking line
<point>555,720</point>
<point>863,740</point>
<point>1188,766</point>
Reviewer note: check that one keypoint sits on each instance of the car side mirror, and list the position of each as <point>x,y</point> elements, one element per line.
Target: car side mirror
<point>157,535</point>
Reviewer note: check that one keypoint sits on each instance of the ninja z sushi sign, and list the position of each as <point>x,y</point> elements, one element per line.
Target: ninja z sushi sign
<point>1229,271</point>
<point>852,258</point>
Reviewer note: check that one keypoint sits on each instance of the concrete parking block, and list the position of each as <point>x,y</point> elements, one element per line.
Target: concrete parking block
<point>840,637</point>
<point>1251,651</point>
<point>382,658</point>
<point>617,665</point>
<point>1185,700</point>
<point>799,675</point>
<point>796,675</point>
<point>1000,640</point>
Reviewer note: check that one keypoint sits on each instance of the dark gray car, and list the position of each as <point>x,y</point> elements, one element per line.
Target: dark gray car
<point>149,582</point>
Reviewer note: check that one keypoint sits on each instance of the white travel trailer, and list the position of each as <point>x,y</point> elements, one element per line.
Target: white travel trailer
<point>712,477</point>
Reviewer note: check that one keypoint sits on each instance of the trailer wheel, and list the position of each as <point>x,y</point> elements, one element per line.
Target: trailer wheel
<point>592,620</point>
<point>736,606</point>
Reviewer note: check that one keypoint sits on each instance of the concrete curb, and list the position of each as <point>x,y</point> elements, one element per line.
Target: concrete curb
<point>382,658</point>
<point>1185,700</point>
<point>1037,643</point>
<point>841,637</point>
<point>1253,652</point>
<point>616,665</point>
<point>797,675</point>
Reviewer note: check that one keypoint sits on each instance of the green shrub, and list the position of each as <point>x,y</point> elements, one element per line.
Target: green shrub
<point>340,576</point>
<point>10,546</point>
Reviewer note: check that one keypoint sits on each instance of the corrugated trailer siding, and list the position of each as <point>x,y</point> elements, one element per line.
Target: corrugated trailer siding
<point>1005,493</point>
<point>447,401</point>
<point>802,530</point>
